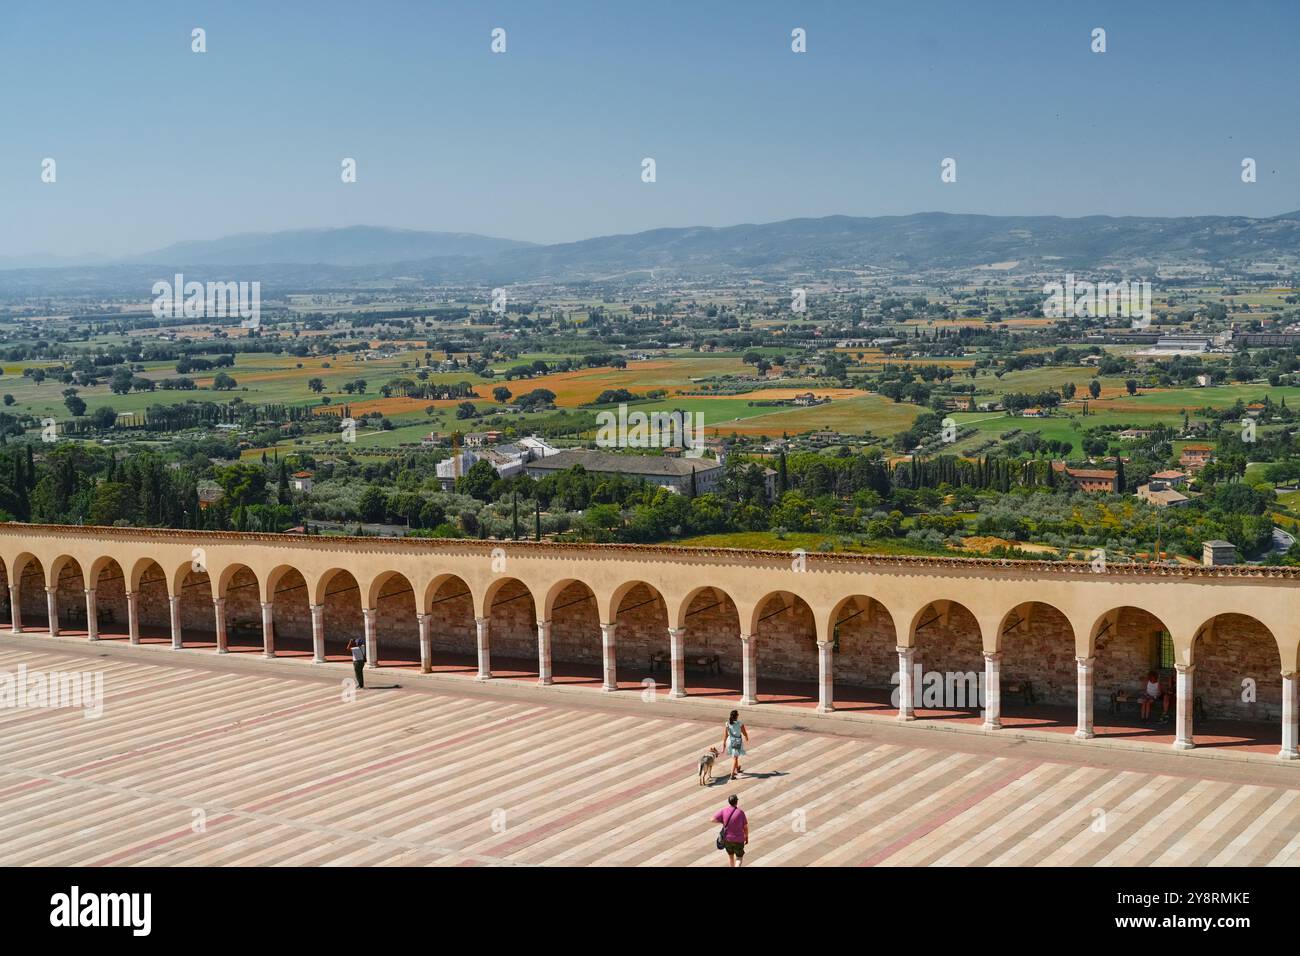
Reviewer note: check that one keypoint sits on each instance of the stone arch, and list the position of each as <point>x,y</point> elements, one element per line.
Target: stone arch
<point>1236,656</point>
<point>393,599</point>
<point>711,620</point>
<point>288,593</point>
<point>865,641</point>
<point>641,613</point>
<point>949,641</point>
<point>785,632</point>
<point>153,600</point>
<point>512,610</point>
<point>109,580</point>
<point>1127,642</point>
<point>29,577</point>
<point>1037,643</point>
<point>340,593</point>
<point>69,583</point>
<point>453,632</point>
<point>193,585</point>
<point>239,588</point>
<point>574,612</point>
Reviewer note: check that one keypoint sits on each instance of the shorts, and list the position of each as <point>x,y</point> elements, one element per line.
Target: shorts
<point>734,849</point>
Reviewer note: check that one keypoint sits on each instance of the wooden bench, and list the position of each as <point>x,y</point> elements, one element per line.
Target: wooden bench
<point>699,663</point>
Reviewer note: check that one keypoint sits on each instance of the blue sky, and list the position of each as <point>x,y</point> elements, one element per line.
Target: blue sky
<point>155,143</point>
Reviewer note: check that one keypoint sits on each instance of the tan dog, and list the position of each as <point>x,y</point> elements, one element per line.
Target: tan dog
<point>706,766</point>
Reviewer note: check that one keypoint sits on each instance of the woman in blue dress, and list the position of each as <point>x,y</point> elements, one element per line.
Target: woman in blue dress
<point>734,738</point>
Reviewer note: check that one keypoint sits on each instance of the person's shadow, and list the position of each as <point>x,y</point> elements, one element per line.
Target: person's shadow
<point>726,777</point>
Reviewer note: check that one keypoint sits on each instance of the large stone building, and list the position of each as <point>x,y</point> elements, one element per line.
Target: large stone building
<point>666,471</point>
<point>829,623</point>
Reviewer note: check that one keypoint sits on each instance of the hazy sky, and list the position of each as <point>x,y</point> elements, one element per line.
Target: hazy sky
<point>154,143</point>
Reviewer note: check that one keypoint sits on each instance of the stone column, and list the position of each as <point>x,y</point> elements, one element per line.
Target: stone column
<point>1290,717</point>
<point>15,609</point>
<point>544,676</point>
<point>677,661</point>
<point>748,670</point>
<point>1183,720</point>
<point>608,658</point>
<point>92,616</point>
<point>426,642</point>
<point>177,642</point>
<point>992,690</point>
<point>483,639</point>
<point>133,616</point>
<point>825,677</point>
<point>318,633</point>
<point>219,619</point>
<point>1086,693</point>
<point>268,629</point>
<point>52,610</point>
<point>906,683</point>
<point>368,615</point>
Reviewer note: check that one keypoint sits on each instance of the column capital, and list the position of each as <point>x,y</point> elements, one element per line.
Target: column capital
<point>541,623</point>
<point>676,631</point>
<point>1184,668</point>
<point>908,650</point>
<point>608,628</point>
<point>423,616</point>
<point>825,643</point>
<point>993,656</point>
<point>268,605</point>
<point>482,621</point>
<point>1085,661</point>
<point>368,612</point>
<point>88,591</point>
<point>746,638</point>
<point>219,602</point>
<point>53,590</point>
<point>1289,675</point>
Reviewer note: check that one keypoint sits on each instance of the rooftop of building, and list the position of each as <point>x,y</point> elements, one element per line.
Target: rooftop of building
<point>624,464</point>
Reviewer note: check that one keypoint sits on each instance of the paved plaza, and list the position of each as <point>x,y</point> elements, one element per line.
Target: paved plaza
<point>204,761</point>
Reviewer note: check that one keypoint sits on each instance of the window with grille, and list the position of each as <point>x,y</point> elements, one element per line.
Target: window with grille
<point>1165,652</point>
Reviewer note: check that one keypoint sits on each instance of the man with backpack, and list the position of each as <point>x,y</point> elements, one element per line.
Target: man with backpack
<point>735,831</point>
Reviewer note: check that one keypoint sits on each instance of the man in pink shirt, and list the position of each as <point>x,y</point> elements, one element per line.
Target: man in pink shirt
<point>735,830</point>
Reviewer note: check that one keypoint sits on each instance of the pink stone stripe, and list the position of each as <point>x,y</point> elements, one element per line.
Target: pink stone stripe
<point>546,829</point>
<point>367,770</point>
<point>949,813</point>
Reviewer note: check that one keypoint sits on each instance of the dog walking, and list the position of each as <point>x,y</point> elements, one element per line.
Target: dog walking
<point>734,738</point>
<point>358,648</point>
<point>735,831</point>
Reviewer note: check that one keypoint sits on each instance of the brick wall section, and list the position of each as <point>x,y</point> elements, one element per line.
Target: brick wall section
<point>395,621</point>
<point>1041,649</point>
<point>451,627</point>
<point>110,598</point>
<point>244,601</point>
<point>291,614</point>
<point>514,624</point>
<point>868,645</point>
<point>1239,648</point>
<point>575,626</point>
<point>343,620</point>
<point>787,641</point>
<point>70,594</point>
<point>152,604</point>
<point>642,619</point>
<point>197,617</point>
<point>32,593</point>
<point>713,627</point>
<point>951,645</point>
<point>1125,653</point>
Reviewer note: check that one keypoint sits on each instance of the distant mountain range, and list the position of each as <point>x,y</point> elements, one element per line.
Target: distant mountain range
<point>1131,244</point>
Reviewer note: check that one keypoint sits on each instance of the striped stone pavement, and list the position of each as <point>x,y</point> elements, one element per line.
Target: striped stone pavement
<point>199,765</point>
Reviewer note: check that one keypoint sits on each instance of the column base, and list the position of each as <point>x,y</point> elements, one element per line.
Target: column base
<point>1288,755</point>
<point>748,702</point>
<point>545,681</point>
<point>318,660</point>
<point>825,710</point>
<point>1184,744</point>
<point>676,694</point>
<point>906,716</point>
<point>606,689</point>
<point>426,669</point>
<point>1084,734</point>
<point>269,655</point>
<point>92,637</point>
<point>15,630</point>
<point>223,650</point>
<point>483,677</point>
<point>992,725</point>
